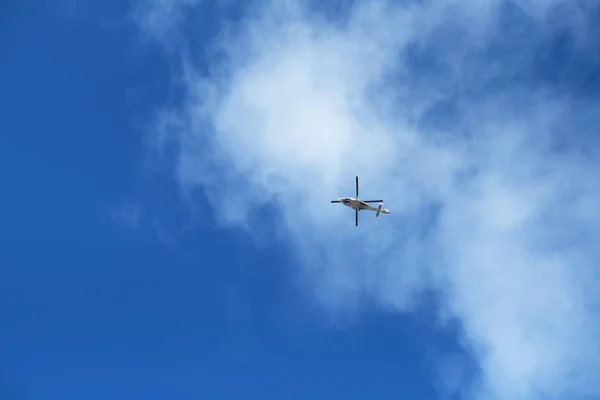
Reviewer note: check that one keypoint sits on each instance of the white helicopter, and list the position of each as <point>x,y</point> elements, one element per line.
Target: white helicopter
<point>358,205</point>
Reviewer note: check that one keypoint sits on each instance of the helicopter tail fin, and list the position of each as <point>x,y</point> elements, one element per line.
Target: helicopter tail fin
<point>381,210</point>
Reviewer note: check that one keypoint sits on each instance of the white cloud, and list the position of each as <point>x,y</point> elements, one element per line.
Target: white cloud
<point>300,105</point>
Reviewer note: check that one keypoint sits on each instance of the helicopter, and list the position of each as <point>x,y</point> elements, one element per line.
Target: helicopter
<point>358,205</point>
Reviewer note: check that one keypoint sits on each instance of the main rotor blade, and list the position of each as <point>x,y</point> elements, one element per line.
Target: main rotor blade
<point>372,201</point>
<point>335,201</point>
<point>357,187</point>
<point>356,218</point>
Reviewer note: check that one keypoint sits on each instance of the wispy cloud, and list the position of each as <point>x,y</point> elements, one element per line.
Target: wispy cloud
<point>160,18</point>
<point>127,215</point>
<point>489,173</point>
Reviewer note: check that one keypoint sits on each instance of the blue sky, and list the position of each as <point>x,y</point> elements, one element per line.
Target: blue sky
<point>168,170</point>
